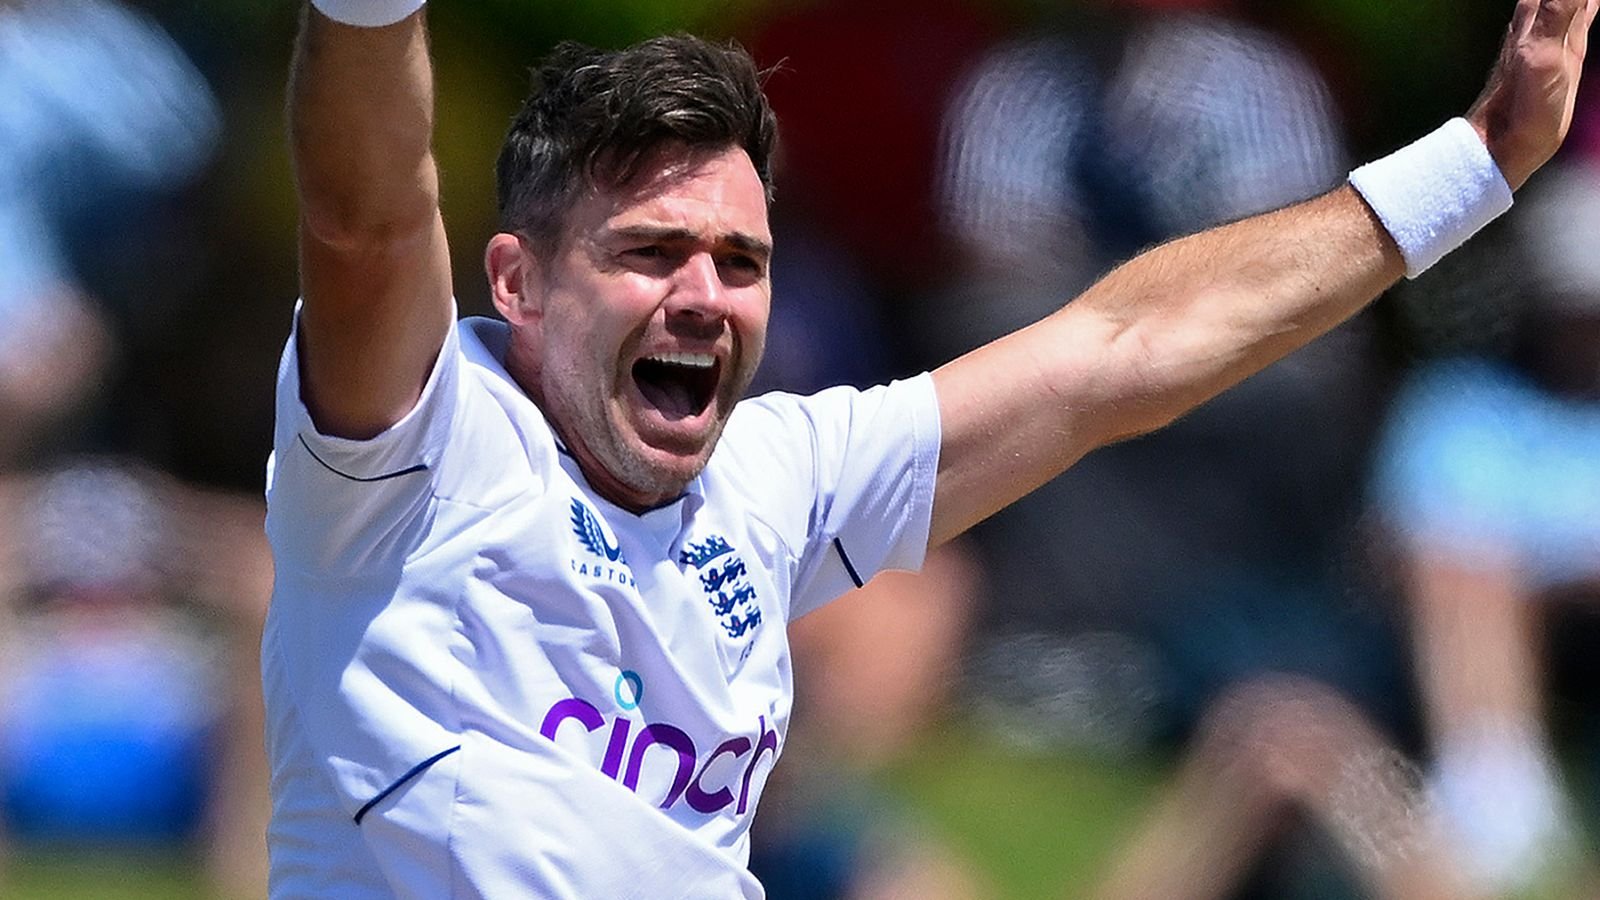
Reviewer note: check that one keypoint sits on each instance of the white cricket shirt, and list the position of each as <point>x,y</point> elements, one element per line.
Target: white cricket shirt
<point>484,680</point>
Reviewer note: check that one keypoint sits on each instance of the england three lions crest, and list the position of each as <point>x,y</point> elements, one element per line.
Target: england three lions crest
<point>725,581</point>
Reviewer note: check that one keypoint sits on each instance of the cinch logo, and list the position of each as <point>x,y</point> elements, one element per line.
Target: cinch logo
<point>689,780</point>
<point>629,690</point>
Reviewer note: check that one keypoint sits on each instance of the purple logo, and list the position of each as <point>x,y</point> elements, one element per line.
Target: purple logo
<point>689,781</point>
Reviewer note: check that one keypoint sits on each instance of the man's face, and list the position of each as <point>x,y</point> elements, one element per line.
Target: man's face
<point>649,320</point>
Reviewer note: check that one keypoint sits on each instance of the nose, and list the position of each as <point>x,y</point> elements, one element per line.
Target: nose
<point>698,292</point>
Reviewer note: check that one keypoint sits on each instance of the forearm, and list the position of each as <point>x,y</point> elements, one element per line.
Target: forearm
<point>361,126</point>
<point>1196,316</point>
<point>1159,335</point>
<point>1186,320</point>
<point>374,266</point>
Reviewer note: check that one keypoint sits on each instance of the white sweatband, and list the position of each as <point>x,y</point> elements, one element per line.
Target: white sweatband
<point>368,13</point>
<point>1435,193</point>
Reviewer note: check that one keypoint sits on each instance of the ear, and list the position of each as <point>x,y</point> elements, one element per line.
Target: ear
<point>514,279</point>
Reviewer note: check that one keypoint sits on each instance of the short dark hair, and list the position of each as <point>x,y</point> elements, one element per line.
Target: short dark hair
<point>594,116</point>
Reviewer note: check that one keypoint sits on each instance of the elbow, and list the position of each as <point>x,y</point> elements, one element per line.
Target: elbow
<point>361,197</point>
<point>350,226</point>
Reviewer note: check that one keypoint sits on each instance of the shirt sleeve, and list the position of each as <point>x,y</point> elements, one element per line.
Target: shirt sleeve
<point>335,505</point>
<point>864,464</point>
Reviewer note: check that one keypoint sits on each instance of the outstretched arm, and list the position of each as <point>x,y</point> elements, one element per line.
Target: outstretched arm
<point>374,268</point>
<point>1186,320</point>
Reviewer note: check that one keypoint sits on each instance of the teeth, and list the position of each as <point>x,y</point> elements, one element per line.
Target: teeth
<point>693,360</point>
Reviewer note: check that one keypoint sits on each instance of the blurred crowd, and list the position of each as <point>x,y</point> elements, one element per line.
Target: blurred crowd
<point>1348,605</point>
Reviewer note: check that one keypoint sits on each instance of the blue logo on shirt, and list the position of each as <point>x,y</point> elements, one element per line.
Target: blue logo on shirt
<point>725,580</point>
<point>586,525</point>
<point>635,693</point>
<point>698,555</point>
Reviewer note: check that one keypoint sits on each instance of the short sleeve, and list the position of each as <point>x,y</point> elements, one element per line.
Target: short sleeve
<point>862,465</point>
<point>335,505</point>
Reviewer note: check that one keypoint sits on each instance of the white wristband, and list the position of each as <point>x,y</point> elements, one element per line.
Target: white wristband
<point>1435,193</point>
<point>367,13</point>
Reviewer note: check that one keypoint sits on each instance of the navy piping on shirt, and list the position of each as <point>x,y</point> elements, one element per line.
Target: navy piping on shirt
<point>416,770</point>
<point>848,566</point>
<point>419,467</point>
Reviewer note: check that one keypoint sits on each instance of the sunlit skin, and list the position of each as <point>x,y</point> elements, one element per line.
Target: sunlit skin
<point>675,262</point>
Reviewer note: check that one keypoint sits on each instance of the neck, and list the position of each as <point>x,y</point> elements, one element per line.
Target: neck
<point>523,363</point>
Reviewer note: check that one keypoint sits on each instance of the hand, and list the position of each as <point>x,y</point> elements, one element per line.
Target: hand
<point>1526,108</point>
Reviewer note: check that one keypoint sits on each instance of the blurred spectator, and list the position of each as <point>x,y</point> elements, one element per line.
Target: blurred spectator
<point>1131,590</point>
<point>132,604</point>
<point>1068,152</point>
<point>97,106</point>
<point>1270,751</point>
<point>1489,477</point>
<point>129,712</point>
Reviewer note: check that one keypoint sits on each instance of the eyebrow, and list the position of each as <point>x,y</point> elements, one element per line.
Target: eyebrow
<point>740,241</point>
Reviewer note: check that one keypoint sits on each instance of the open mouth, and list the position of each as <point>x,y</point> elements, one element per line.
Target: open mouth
<point>679,385</point>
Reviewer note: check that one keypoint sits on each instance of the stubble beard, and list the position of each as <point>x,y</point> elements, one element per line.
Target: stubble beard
<point>597,427</point>
<point>601,425</point>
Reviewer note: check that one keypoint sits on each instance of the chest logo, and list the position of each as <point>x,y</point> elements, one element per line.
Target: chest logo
<point>586,525</point>
<point>725,581</point>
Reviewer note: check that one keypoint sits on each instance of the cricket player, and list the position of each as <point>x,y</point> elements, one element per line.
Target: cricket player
<point>533,573</point>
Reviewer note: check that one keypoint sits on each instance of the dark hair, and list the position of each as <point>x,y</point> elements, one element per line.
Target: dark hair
<point>594,116</point>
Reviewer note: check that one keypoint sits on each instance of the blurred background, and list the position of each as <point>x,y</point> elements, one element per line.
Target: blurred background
<point>1330,636</point>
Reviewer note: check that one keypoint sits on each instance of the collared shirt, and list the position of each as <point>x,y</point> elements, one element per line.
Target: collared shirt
<point>484,679</point>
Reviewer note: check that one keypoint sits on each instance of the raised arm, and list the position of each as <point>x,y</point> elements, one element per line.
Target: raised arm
<point>374,268</point>
<point>1186,320</point>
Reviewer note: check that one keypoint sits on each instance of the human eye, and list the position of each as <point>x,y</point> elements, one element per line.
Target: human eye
<point>653,258</point>
<point>744,265</point>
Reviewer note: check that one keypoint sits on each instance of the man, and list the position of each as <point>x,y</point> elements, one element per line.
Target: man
<point>527,636</point>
